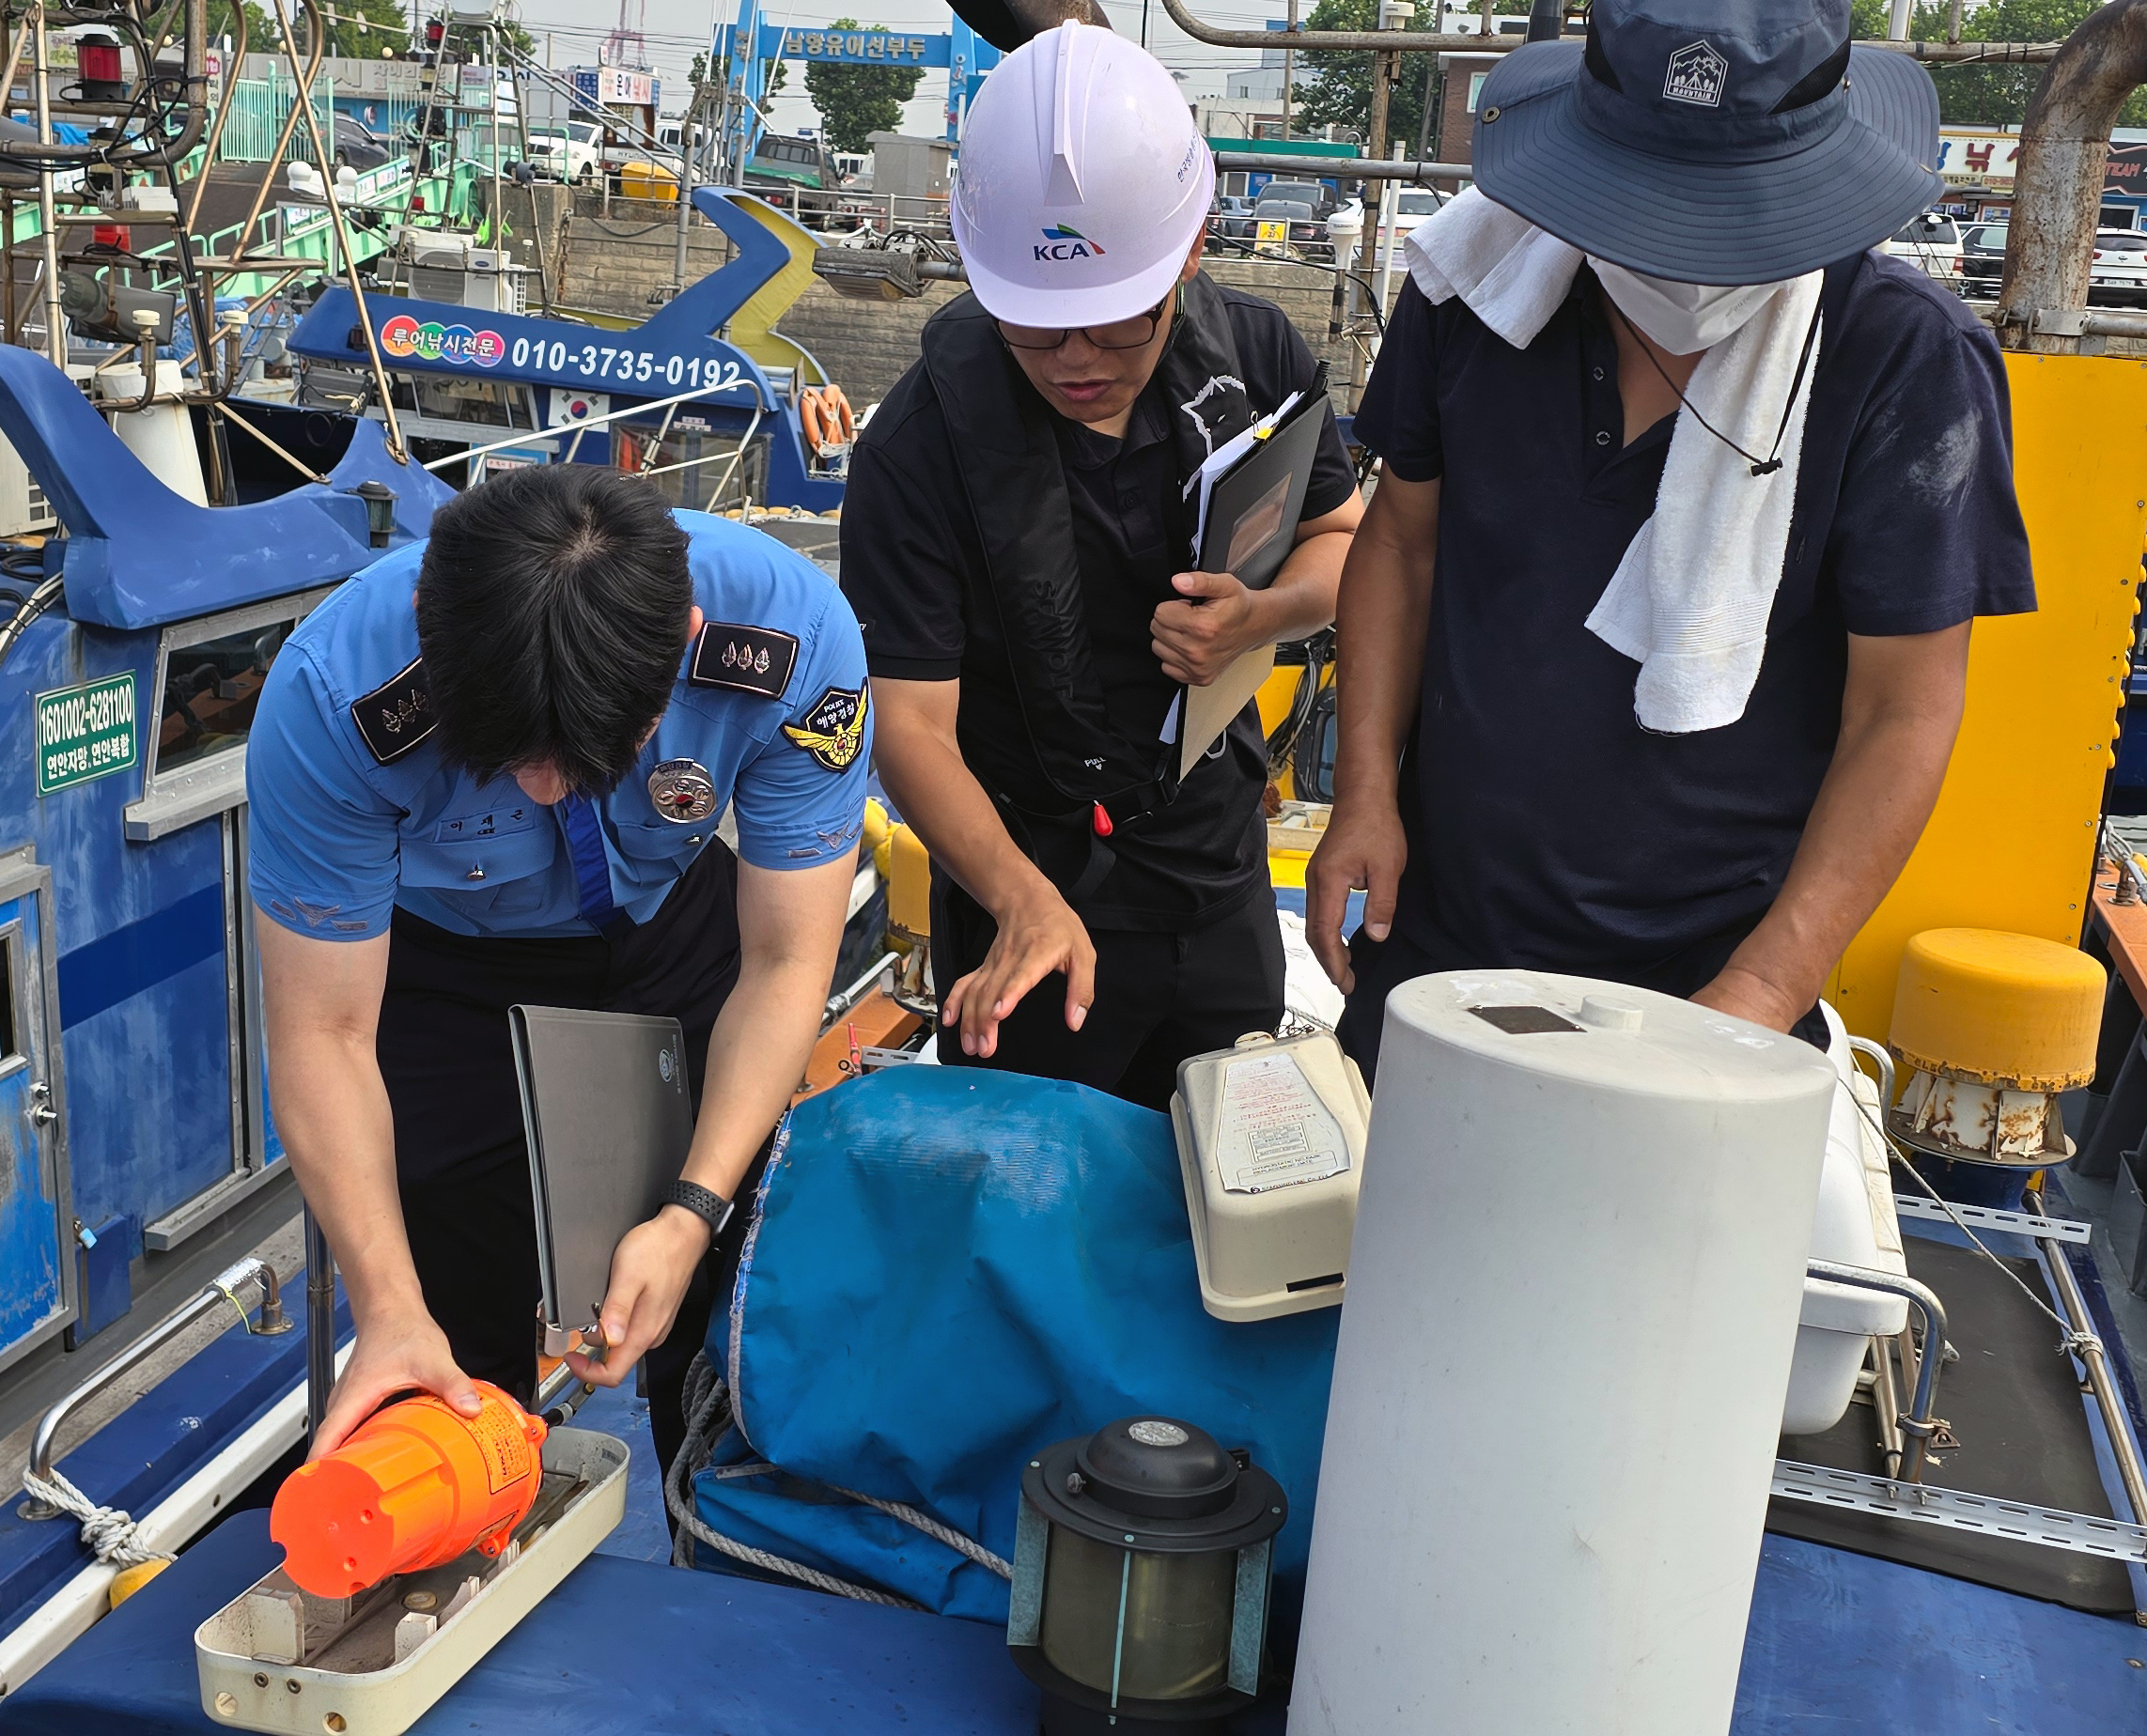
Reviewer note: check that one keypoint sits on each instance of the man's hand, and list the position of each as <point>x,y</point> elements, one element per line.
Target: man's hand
<point>651,1267</point>
<point>1038,934</point>
<point>1364,850</point>
<point>391,1356</point>
<point>1743,994</point>
<point>1199,638</point>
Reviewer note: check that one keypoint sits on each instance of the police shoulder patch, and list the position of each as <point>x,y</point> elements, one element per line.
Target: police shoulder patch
<point>395,716</point>
<point>833,730</point>
<point>752,660</point>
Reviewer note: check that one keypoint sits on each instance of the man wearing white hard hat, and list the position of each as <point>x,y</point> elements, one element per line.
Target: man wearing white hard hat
<point>1014,542</point>
<point>1655,644</point>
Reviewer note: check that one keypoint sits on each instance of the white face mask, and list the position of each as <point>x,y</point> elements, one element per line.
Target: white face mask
<point>1685,319</point>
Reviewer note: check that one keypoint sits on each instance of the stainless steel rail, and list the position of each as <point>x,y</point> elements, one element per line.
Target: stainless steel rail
<point>221,1291</point>
<point>1431,42</point>
<point>1341,168</point>
<point>2086,1345</point>
<point>1918,1424</point>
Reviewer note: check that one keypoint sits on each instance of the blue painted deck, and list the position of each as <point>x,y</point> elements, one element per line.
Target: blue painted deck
<point>1839,1643</point>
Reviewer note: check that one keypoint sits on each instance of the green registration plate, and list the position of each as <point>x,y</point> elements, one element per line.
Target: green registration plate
<point>86,732</point>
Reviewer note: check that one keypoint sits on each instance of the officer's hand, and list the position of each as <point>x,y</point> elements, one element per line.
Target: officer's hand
<point>1197,639</point>
<point>1363,850</point>
<point>1038,936</point>
<point>392,1353</point>
<point>650,1269</point>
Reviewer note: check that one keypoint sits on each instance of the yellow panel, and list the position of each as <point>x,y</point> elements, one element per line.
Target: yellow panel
<point>753,327</point>
<point>2012,843</point>
<point>1275,694</point>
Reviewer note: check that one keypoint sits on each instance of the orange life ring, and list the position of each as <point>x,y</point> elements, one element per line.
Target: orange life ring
<point>824,415</point>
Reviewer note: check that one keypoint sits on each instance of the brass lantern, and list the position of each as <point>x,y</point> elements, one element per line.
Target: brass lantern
<point>1142,1565</point>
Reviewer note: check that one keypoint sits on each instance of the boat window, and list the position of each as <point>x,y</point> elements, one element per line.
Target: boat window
<point>9,955</point>
<point>1417,204</point>
<point>211,691</point>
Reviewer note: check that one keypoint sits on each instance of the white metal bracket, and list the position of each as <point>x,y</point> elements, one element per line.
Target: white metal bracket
<point>2016,1520</point>
<point>1989,1217</point>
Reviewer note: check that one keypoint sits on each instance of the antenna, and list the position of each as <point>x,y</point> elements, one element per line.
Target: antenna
<point>625,46</point>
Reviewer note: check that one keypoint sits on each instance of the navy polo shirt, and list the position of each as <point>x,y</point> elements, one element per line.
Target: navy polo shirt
<point>1548,829</point>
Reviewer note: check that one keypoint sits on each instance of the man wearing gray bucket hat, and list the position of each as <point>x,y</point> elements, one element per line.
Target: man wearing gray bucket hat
<point>1654,639</point>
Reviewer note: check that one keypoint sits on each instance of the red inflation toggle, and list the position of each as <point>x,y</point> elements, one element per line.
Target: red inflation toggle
<point>1102,822</point>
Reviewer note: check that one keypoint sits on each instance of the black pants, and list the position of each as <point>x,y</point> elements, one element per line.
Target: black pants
<point>1159,998</point>
<point>1382,966</point>
<point>461,1162</point>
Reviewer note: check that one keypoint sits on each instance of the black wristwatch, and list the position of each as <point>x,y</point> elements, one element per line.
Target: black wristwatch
<point>704,1203</point>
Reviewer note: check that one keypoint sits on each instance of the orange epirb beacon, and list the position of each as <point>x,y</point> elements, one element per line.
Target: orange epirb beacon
<point>414,1486</point>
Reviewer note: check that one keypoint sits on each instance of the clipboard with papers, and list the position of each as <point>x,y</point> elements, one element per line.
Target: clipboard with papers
<point>1250,497</point>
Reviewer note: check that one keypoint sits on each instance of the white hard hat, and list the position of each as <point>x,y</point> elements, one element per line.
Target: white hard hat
<point>1082,184</point>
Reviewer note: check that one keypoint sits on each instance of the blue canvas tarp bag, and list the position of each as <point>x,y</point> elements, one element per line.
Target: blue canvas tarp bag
<point>951,1268</point>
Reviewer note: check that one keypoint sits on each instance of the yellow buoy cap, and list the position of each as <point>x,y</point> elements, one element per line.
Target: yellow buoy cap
<point>1997,1008</point>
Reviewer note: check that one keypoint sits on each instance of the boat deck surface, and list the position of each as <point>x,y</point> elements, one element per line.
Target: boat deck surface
<point>1837,1642</point>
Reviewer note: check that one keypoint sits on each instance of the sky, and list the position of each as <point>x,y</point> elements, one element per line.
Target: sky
<point>676,30</point>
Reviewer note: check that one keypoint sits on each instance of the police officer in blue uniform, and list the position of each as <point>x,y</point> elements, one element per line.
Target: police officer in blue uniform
<point>490,769</point>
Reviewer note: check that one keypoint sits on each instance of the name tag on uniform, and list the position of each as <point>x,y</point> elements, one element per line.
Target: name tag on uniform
<point>492,822</point>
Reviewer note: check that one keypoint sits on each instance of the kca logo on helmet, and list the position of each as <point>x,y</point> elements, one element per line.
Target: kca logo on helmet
<point>1068,243</point>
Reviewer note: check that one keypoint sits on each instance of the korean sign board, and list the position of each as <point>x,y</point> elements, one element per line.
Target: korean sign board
<point>856,48</point>
<point>621,87</point>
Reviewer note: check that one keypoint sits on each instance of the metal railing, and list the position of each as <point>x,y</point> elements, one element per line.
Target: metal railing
<point>220,1292</point>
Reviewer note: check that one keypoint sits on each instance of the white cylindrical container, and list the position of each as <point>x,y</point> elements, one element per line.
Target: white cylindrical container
<point>1573,1293</point>
<point>160,436</point>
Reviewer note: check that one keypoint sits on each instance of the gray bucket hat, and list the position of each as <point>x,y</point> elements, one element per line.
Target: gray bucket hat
<point>1711,141</point>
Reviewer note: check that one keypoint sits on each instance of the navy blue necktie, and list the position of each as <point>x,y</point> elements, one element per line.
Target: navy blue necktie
<point>592,870</point>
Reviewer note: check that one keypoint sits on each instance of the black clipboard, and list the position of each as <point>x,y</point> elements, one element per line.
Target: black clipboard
<point>1253,509</point>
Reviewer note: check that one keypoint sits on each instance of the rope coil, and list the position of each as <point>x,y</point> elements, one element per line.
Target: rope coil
<point>708,1414</point>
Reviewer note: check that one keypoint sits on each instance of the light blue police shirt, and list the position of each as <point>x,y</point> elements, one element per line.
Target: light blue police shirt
<point>353,813</point>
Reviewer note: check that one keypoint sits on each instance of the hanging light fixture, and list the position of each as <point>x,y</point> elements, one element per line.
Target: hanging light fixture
<point>1142,1564</point>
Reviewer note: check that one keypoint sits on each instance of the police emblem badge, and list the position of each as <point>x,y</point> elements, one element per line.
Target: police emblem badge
<point>682,791</point>
<point>833,730</point>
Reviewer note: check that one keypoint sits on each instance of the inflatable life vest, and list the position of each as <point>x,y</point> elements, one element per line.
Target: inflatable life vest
<point>1014,480</point>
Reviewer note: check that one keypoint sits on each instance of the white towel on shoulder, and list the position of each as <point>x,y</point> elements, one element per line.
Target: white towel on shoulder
<point>1691,598</point>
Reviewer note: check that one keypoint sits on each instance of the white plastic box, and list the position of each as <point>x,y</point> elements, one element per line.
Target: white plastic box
<point>1270,1141</point>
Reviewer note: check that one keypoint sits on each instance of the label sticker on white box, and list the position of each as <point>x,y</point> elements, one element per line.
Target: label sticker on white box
<point>1275,1132</point>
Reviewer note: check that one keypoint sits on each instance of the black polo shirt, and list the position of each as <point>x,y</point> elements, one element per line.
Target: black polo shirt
<point>1546,828</point>
<point>909,543</point>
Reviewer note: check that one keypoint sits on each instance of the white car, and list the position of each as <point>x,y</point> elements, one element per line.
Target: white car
<point>1411,206</point>
<point>2117,270</point>
<point>1932,243</point>
<point>567,152</point>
